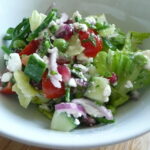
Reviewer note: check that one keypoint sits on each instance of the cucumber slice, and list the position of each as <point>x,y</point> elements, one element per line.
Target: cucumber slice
<point>62,122</point>
<point>99,90</point>
<point>35,68</point>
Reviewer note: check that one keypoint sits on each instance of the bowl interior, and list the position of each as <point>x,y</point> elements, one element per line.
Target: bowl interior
<point>30,126</point>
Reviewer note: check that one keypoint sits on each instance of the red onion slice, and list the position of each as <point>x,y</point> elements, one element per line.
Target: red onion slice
<point>81,82</point>
<point>71,109</point>
<point>94,110</point>
<point>65,31</point>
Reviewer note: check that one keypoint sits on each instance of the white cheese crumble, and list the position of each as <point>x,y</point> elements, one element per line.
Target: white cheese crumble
<point>76,14</point>
<point>6,77</point>
<point>107,91</point>
<point>90,20</point>
<point>81,67</point>
<point>72,82</point>
<point>128,84</point>
<point>77,122</point>
<point>80,26</point>
<point>14,62</point>
<point>82,58</point>
<point>146,53</point>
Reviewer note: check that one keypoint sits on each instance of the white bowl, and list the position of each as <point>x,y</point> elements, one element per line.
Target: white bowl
<point>31,127</point>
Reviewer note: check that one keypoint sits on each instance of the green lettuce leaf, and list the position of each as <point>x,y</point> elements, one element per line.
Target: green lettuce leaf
<point>128,67</point>
<point>133,40</point>
<point>23,89</point>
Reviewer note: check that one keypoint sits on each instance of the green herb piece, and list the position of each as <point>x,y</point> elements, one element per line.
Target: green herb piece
<point>46,44</point>
<point>20,32</point>
<point>104,120</point>
<point>101,26</point>
<point>51,16</point>
<point>67,96</point>
<point>19,44</point>
<point>108,45</point>
<point>91,39</point>
<point>6,49</point>
<point>53,72</point>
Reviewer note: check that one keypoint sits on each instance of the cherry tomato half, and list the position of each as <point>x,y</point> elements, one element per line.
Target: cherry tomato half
<point>49,90</point>
<point>7,89</point>
<point>30,48</point>
<point>65,72</point>
<point>91,42</point>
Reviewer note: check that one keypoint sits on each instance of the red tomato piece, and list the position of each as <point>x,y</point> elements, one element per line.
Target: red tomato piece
<point>65,72</point>
<point>30,48</point>
<point>7,89</point>
<point>49,90</point>
<point>91,42</point>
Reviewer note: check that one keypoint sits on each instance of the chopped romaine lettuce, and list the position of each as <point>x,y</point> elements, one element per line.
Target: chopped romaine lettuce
<point>108,32</point>
<point>133,40</point>
<point>36,19</point>
<point>128,67</point>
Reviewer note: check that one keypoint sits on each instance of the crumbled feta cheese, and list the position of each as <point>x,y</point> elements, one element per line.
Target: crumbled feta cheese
<point>77,122</point>
<point>6,77</point>
<point>82,75</point>
<point>107,91</point>
<point>80,26</point>
<point>6,57</point>
<point>81,67</point>
<point>146,53</point>
<point>128,84</point>
<point>90,20</point>
<point>14,62</point>
<point>72,82</point>
<point>82,58</point>
<point>76,14</point>
<point>64,17</point>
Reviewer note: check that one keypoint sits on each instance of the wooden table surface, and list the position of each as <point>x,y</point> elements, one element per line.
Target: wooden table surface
<point>140,143</point>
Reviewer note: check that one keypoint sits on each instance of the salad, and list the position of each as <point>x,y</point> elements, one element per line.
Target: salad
<point>77,70</point>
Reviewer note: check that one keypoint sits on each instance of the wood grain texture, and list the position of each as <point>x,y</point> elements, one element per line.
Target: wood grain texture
<point>140,143</point>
